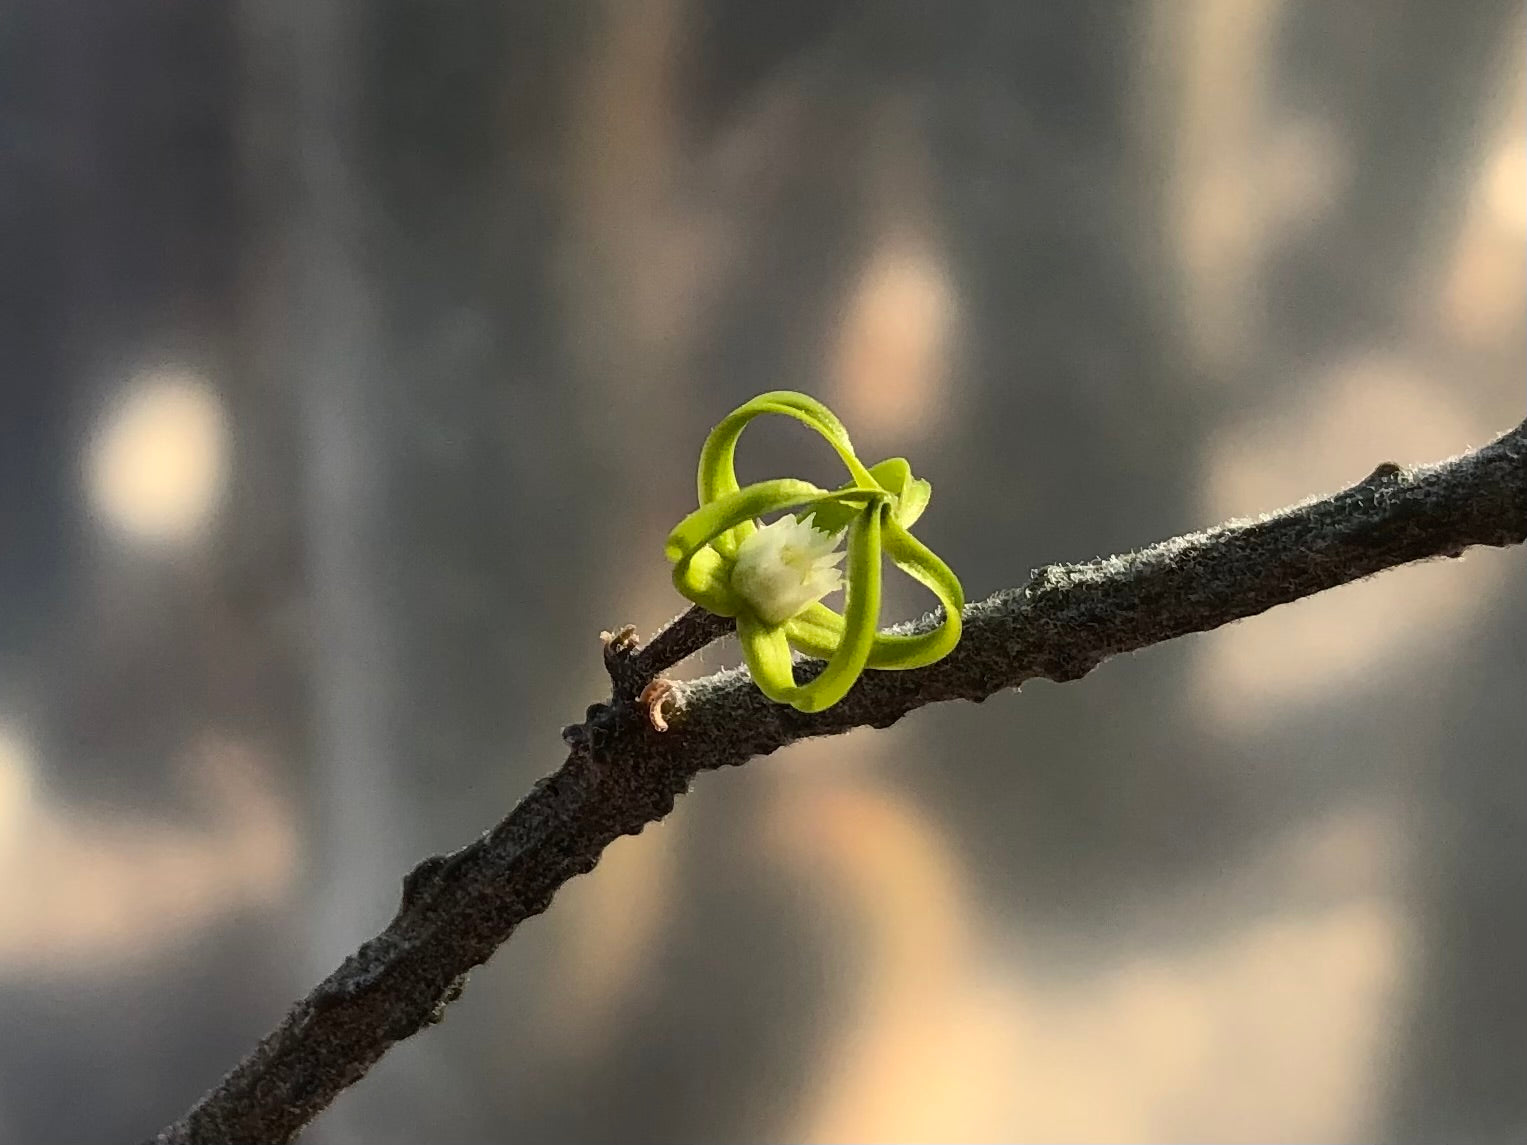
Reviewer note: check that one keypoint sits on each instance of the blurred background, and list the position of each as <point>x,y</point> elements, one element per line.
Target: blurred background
<point>355,359</point>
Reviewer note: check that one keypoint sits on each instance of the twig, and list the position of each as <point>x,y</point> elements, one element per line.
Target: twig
<point>623,773</point>
<point>631,668</point>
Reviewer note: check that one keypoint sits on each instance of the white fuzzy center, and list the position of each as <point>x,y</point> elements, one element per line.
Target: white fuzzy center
<point>786,566</point>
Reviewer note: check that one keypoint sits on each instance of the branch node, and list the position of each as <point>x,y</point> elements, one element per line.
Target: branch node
<point>419,880</point>
<point>1383,472</point>
<point>619,648</point>
<point>631,668</point>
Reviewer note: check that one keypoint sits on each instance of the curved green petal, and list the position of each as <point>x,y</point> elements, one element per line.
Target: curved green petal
<point>717,471</point>
<point>739,506</point>
<point>834,518</point>
<point>818,630</point>
<point>705,578</point>
<point>700,572</point>
<point>860,616</point>
<point>709,522</point>
<point>922,564</point>
<point>814,635</point>
<point>717,453</point>
<point>911,504</point>
<point>817,633</point>
<point>912,493</point>
<point>767,654</point>
<point>909,495</point>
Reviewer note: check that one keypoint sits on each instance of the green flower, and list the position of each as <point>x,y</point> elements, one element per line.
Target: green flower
<point>772,577</point>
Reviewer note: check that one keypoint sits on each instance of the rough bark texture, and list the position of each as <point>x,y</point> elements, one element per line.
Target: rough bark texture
<point>622,773</point>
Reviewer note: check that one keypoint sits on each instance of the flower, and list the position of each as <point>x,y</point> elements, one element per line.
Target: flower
<point>786,566</point>
<point>772,577</point>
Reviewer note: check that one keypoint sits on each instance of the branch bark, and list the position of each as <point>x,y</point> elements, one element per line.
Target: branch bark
<point>622,773</point>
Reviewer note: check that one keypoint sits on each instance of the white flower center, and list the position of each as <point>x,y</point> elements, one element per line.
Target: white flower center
<point>786,566</point>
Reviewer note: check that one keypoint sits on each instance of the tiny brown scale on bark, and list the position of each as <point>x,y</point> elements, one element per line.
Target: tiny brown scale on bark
<point>653,697</point>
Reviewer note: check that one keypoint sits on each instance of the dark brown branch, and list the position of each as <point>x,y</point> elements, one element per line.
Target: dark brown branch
<point>623,774</point>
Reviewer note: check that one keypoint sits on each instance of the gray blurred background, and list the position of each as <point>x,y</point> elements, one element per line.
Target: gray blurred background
<point>355,359</point>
